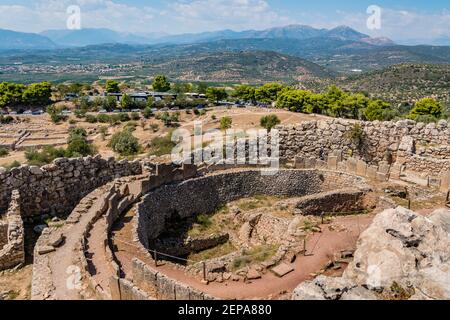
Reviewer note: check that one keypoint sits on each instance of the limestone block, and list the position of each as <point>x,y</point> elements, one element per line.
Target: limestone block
<point>351,165</point>
<point>299,162</point>
<point>332,162</point>
<point>372,172</point>
<point>361,168</point>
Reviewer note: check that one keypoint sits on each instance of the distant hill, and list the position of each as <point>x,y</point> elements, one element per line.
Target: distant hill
<point>12,40</point>
<point>250,66</point>
<point>86,37</point>
<point>404,83</point>
<point>297,32</point>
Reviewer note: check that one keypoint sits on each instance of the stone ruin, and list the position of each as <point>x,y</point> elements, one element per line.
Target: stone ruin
<point>320,163</point>
<point>12,237</point>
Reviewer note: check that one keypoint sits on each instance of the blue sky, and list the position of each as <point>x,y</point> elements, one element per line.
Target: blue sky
<point>402,20</point>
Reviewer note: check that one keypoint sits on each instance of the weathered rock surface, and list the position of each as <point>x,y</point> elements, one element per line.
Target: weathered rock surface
<point>400,248</point>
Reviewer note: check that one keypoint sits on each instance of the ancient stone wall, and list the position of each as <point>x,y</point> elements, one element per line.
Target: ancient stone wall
<point>380,140</point>
<point>3,233</point>
<point>166,288</point>
<point>12,253</point>
<point>59,186</point>
<point>206,194</point>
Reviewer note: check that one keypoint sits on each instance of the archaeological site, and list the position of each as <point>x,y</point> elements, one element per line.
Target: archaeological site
<point>356,211</point>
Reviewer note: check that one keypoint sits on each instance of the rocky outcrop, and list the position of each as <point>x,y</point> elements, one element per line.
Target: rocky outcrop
<point>400,251</point>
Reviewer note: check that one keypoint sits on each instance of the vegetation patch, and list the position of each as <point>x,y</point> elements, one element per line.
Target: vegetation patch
<point>254,255</point>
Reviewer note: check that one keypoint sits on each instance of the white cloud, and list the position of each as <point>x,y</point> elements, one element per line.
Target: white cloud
<point>201,15</point>
<point>180,16</point>
<point>399,25</point>
<point>51,14</point>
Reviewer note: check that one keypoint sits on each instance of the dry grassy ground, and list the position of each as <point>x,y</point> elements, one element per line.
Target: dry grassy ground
<point>248,118</point>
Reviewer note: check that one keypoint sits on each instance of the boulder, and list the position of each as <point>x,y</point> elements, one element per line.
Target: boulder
<point>399,247</point>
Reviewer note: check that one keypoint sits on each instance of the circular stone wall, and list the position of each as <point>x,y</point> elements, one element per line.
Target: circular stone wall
<point>206,194</point>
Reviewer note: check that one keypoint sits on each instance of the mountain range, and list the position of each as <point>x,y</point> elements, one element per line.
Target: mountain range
<point>50,39</point>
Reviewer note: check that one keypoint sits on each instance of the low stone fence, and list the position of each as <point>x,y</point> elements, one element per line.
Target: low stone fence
<point>167,289</point>
<point>59,186</point>
<point>12,252</point>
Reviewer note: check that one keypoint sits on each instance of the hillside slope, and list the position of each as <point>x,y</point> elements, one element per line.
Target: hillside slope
<point>247,66</point>
<point>405,82</point>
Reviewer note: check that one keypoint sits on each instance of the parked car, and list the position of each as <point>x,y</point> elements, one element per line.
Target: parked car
<point>28,112</point>
<point>103,111</point>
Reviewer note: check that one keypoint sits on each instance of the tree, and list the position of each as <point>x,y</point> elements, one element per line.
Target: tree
<point>334,98</point>
<point>37,94</point>
<point>426,107</point>
<point>269,122</point>
<point>246,93</point>
<point>160,84</point>
<point>225,123</point>
<point>109,103</point>
<point>352,104</point>
<point>268,93</point>
<point>294,100</point>
<point>315,103</point>
<point>126,102</point>
<point>376,110</point>
<point>112,86</point>
<point>216,94</point>
<point>202,87</point>
<point>11,94</point>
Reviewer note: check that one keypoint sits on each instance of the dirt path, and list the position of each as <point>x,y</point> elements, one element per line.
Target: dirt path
<point>64,257</point>
<point>95,254</point>
<point>320,247</point>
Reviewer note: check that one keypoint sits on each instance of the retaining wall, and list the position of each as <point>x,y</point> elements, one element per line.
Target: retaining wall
<point>59,186</point>
<point>206,194</point>
<point>380,140</point>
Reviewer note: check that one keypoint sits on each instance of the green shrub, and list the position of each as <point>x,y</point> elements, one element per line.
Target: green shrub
<point>225,123</point>
<point>45,156</point>
<point>162,145</point>
<point>130,126</point>
<point>124,117</point>
<point>135,116</point>
<point>356,135</point>
<point>6,120</point>
<point>103,131</point>
<point>125,143</point>
<point>147,113</point>
<point>91,119</point>
<point>3,152</point>
<point>154,127</point>
<point>103,118</point>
